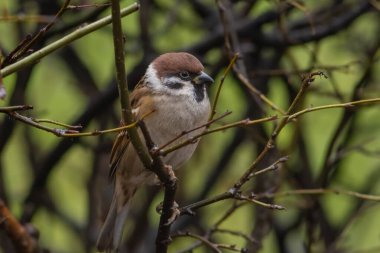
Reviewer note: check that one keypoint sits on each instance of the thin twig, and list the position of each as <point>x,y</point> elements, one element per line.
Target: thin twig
<point>31,122</point>
<point>78,33</point>
<point>212,246</point>
<point>236,205</point>
<point>27,44</point>
<point>306,12</point>
<point>189,209</point>
<point>216,99</point>
<point>305,85</point>
<point>272,167</point>
<point>74,7</point>
<point>53,122</point>
<point>271,142</point>
<point>343,105</point>
<point>319,191</point>
<point>71,132</point>
<point>207,124</point>
<point>234,192</point>
<point>14,108</point>
<point>231,247</point>
<point>258,93</point>
<point>190,140</point>
<point>215,228</point>
<point>258,202</point>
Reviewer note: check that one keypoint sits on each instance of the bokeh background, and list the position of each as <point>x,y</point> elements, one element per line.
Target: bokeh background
<point>60,187</point>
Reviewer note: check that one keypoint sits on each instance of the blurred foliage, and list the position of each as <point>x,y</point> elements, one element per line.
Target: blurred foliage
<point>68,208</point>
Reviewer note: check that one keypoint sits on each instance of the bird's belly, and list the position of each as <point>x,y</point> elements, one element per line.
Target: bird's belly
<point>165,134</point>
<point>165,125</point>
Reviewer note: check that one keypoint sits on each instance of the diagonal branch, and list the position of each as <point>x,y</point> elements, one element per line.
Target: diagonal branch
<point>19,236</point>
<point>165,174</point>
<point>78,33</point>
<point>22,49</point>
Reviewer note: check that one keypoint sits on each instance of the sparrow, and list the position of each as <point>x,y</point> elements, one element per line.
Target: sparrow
<point>173,92</point>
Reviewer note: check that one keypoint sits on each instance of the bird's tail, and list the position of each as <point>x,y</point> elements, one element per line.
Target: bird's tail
<point>111,233</point>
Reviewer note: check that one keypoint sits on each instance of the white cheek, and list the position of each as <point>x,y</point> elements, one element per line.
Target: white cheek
<point>187,90</point>
<point>157,84</point>
<point>152,79</point>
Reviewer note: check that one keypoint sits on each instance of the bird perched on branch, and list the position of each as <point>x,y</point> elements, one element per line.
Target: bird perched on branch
<point>174,89</point>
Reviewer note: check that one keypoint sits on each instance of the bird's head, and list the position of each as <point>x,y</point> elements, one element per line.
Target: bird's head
<point>178,74</point>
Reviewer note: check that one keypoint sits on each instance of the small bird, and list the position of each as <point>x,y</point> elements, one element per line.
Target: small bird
<point>174,89</point>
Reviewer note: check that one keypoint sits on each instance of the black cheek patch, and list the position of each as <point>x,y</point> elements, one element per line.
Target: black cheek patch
<point>174,85</point>
<point>199,92</point>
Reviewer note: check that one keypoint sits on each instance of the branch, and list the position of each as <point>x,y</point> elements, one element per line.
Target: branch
<point>245,122</point>
<point>343,105</point>
<point>189,209</point>
<point>212,246</point>
<point>169,207</point>
<point>213,108</point>
<point>258,93</point>
<point>319,191</point>
<point>121,77</point>
<point>78,33</point>
<point>215,228</point>
<point>8,109</point>
<point>235,192</point>
<point>165,173</point>
<point>235,233</point>
<point>271,142</point>
<point>258,202</point>
<point>26,44</point>
<point>20,237</point>
<point>206,125</point>
<point>82,6</point>
<point>205,240</point>
<point>70,131</point>
<point>94,107</point>
<point>272,167</point>
<point>34,123</point>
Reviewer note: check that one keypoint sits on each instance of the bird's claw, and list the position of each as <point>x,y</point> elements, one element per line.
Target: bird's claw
<point>174,214</point>
<point>170,172</point>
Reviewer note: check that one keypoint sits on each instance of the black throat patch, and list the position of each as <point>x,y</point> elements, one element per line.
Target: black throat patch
<point>199,92</point>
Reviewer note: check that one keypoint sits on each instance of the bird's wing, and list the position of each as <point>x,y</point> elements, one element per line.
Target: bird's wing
<point>142,104</point>
<point>118,149</point>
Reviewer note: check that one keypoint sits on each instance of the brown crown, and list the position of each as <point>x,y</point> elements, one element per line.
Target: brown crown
<point>171,63</point>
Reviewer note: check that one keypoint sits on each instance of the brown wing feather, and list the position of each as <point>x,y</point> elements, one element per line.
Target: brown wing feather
<point>141,103</point>
<point>118,149</point>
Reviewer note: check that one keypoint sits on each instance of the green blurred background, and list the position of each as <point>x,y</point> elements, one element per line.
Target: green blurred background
<point>68,207</point>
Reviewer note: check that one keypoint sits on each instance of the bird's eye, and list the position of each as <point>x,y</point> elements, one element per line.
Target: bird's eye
<point>184,75</point>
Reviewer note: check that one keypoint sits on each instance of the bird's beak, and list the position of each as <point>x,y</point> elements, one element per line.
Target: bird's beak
<point>203,78</point>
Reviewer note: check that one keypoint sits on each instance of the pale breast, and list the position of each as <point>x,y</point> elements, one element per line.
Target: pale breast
<point>171,118</point>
